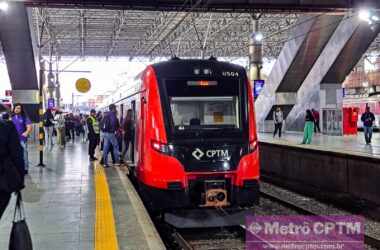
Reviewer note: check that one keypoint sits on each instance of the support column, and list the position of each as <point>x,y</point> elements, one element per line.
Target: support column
<point>41,112</point>
<point>51,82</point>
<point>57,91</point>
<point>255,50</point>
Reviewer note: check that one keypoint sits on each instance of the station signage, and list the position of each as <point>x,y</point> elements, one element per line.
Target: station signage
<point>51,103</point>
<point>258,85</point>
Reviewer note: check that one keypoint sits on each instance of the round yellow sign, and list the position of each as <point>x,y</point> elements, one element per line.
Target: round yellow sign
<point>83,85</point>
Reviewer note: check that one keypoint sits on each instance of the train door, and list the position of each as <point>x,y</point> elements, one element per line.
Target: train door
<point>142,122</point>
<point>132,151</point>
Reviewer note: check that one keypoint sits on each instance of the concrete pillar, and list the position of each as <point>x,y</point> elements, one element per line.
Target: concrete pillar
<point>255,51</point>
<point>57,91</point>
<point>51,82</point>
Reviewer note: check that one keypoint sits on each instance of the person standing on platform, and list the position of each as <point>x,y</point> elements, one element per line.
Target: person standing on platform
<point>315,113</point>
<point>368,118</point>
<point>49,128</point>
<point>309,127</point>
<point>61,133</point>
<point>129,133</point>
<point>24,128</point>
<point>85,127</point>
<point>70,127</point>
<point>11,155</point>
<point>93,134</point>
<point>109,126</point>
<point>278,118</point>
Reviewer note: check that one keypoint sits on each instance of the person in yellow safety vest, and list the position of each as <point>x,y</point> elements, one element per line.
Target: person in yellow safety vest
<point>93,134</point>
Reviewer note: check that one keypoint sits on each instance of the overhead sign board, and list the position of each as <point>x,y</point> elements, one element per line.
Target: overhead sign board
<point>83,85</point>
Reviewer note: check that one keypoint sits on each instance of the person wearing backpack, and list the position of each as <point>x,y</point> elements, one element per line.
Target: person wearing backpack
<point>12,163</point>
<point>109,126</point>
<point>24,128</point>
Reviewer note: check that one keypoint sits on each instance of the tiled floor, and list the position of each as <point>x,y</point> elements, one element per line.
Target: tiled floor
<point>60,204</point>
<point>347,144</point>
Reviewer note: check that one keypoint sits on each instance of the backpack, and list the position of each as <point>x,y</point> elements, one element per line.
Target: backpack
<point>105,124</point>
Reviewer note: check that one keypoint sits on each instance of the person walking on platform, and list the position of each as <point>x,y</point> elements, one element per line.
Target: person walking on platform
<point>109,126</point>
<point>315,113</point>
<point>61,133</point>
<point>278,118</point>
<point>368,118</point>
<point>49,128</point>
<point>309,127</point>
<point>70,128</point>
<point>129,133</point>
<point>11,156</point>
<point>93,134</point>
<point>85,127</point>
<point>24,128</point>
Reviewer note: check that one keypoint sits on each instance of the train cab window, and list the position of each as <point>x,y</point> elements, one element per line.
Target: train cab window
<point>204,105</point>
<point>205,112</point>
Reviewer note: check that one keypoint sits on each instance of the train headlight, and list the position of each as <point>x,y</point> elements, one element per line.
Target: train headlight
<point>162,147</point>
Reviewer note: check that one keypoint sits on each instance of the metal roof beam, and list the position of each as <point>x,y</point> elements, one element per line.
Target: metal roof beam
<point>216,5</point>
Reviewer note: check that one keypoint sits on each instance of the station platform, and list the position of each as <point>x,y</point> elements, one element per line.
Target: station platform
<point>340,166</point>
<point>354,145</point>
<point>74,205</point>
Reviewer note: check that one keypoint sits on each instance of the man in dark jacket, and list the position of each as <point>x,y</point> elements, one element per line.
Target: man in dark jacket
<point>93,134</point>
<point>368,119</point>
<point>109,126</point>
<point>10,148</point>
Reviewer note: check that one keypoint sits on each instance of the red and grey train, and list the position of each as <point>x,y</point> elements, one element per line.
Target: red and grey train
<point>195,135</point>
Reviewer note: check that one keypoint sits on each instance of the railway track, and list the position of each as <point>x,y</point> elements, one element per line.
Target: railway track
<point>368,239</point>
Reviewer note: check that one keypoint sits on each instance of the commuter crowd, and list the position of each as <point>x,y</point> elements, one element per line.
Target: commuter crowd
<point>114,135</point>
<point>312,124</point>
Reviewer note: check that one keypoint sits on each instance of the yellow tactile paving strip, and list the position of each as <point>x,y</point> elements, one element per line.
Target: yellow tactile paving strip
<point>105,231</point>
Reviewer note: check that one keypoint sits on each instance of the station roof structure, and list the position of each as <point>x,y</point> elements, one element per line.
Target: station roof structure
<point>212,5</point>
<point>104,32</point>
<point>147,28</point>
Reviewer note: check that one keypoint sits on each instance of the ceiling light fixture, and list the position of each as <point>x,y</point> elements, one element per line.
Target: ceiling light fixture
<point>4,6</point>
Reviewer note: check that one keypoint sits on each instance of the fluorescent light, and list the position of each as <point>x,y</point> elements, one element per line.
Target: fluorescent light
<point>375,18</point>
<point>364,15</point>
<point>259,37</point>
<point>4,6</point>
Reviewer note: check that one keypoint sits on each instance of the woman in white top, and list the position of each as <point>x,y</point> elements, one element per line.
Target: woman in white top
<point>278,118</point>
<point>61,131</point>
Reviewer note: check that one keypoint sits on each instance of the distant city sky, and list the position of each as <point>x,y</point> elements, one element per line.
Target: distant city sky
<point>104,75</point>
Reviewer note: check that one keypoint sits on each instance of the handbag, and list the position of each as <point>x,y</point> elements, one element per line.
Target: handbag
<point>20,235</point>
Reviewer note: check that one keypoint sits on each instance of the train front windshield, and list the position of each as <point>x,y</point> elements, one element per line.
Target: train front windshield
<point>205,106</point>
